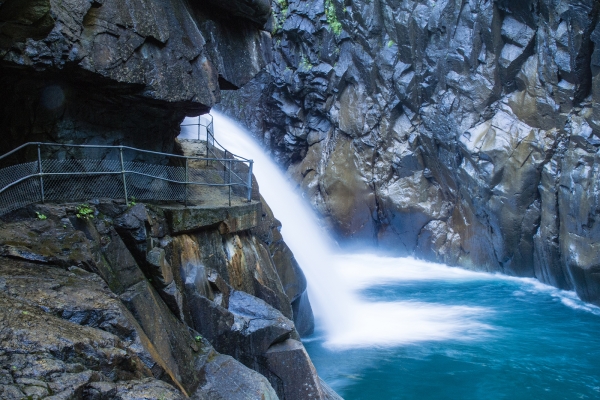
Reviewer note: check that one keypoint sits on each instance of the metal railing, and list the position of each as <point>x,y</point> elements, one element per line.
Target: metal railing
<point>219,153</point>
<point>67,172</point>
<point>206,131</point>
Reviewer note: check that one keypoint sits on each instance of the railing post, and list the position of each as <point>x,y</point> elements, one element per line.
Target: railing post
<point>186,181</point>
<point>41,173</point>
<point>229,179</point>
<point>207,144</point>
<point>123,174</point>
<point>208,135</point>
<point>250,181</point>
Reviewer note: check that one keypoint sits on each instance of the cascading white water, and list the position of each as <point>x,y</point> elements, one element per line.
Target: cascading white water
<point>334,279</point>
<point>402,328</point>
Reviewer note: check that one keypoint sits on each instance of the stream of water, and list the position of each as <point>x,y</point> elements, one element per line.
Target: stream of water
<point>399,328</point>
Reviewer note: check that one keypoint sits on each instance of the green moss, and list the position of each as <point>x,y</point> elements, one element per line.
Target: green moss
<point>279,19</point>
<point>283,5</point>
<point>305,64</point>
<point>332,20</point>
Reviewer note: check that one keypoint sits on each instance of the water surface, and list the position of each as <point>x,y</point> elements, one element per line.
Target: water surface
<point>518,339</point>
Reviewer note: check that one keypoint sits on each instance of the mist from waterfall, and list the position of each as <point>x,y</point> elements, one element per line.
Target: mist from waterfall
<point>334,279</point>
<point>400,328</point>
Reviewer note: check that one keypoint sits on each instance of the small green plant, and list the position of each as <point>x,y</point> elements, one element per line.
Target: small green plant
<point>390,43</point>
<point>278,22</point>
<point>198,338</point>
<point>84,212</point>
<point>40,215</point>
<point>283,4</point>
<point>132,201</point>
<point>332,20</point>
<point>305,64</point>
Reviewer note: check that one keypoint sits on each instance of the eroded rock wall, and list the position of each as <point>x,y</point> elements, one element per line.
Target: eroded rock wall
<point>465,132</point>
<point>120,304</point>
<point>120,72</point>
<point>127,303</point>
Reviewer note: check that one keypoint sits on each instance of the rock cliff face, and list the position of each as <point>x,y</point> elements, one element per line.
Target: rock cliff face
<point>125,305</point>
<point>142,301</point>
<point>110,71</point>
<point>465,132</point>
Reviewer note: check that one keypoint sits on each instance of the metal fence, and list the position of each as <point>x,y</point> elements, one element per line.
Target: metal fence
<point>206,133</point>
<point>38,172</point>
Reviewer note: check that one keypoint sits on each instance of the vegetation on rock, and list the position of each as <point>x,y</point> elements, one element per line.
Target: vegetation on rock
<point>332,19</point>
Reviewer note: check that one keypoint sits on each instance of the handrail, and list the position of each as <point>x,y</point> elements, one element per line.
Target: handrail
<point>55,175</point>
<point>17,149</point>
<point>97,146</point>
<point>235,155</point>
<point>117,173</point>
<point>211,133</point>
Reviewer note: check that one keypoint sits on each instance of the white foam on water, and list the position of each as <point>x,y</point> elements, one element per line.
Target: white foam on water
<point>364,270</point>
<point>567,297</point>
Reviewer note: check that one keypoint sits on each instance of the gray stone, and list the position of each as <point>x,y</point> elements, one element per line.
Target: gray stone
<point>220,384</point>
<point>257,323</point>
<point>162,269</point>
<point>234,219</point>
<point>290,363</point>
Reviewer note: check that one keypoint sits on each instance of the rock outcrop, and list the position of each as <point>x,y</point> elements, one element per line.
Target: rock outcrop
<point>141,301</point>
<point>108,71</point>
<point>462,132</point>
<point>119,304</point>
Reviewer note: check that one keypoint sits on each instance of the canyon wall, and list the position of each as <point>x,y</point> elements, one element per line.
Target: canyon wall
<point>156,302</point>
<point>464,132</point>
<point>116,300</point>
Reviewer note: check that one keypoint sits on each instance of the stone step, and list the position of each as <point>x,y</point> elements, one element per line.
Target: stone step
<point>230,219</point>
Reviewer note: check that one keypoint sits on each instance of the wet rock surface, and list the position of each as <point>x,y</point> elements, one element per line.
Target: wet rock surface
<point>464,133</point>
<point>117,305</point>
<point>290,274</point>
<point>289,361</point>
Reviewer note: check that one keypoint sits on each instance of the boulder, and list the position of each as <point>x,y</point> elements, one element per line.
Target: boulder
<point>297,376</point>
<point>220,385</point>
<point>259,324</point>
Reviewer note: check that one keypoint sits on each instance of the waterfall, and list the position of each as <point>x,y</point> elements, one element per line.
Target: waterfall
<point>335,280</point>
